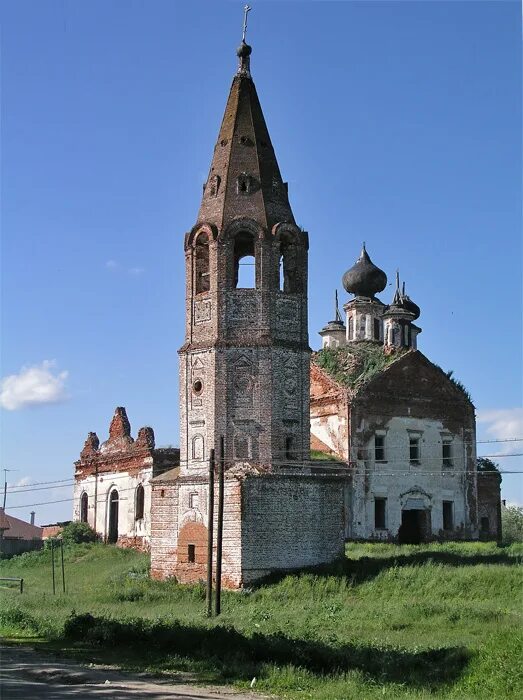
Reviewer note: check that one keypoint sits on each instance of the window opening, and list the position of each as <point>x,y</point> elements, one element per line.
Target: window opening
<point>447,515</point>
<point>414,450</point>
<point>446,449</point>
<point>244,261</point>
<point>351,328</point>
<point>113,517</point>
<point>379,513</point>
<point>289,447</point>
<point>140,498</point>
<point>379,448</point>
<point>376,329</point>
<point>191,553</point>
<point>485,525</point>
<point>193,500</point>
<point>202,275</point>
<point>84,504</point>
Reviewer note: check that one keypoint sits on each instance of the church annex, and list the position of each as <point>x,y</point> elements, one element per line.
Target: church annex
<point>406,428</point>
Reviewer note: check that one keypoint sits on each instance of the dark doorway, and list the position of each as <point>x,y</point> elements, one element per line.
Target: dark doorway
<point>84,505</point>
<point>413,526</point>
<point>113,517</point>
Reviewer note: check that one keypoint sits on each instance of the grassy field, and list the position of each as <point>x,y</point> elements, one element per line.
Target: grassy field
<point>430,621</point>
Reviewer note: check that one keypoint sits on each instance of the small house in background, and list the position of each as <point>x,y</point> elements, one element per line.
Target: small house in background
<point>18,536</point>
<point>112,491</point>
<point>53,529</point>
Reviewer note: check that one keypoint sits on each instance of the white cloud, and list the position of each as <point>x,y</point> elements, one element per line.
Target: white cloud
<point>503,424</point>
<point>24,481</point>
<point>135,270</point>
<point>33,386</point>
<point>111,264</point>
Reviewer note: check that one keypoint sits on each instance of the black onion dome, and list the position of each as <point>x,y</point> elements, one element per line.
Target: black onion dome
<point>410,306</point>
<point>364,278</point>
<point>403,302</point>
<point>243,50</point>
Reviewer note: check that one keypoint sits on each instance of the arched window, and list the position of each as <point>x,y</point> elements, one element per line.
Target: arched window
<point>140,497</point>
<point>84,505</point>
<point>201,264</point>
<point>244,261</point>
<point>288,267</point>
<point>113,517</point>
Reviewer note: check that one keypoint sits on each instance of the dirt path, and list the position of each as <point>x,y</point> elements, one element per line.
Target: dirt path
<point>26,674</point>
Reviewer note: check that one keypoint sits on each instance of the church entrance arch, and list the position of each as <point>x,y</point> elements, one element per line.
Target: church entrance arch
<point>113,517</point>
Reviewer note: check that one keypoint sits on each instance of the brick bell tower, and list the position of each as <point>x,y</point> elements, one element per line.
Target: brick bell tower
<point>244,374</point>
<point>244,366</point>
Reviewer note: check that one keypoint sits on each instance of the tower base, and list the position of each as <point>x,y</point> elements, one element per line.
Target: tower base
<point>273,522</point>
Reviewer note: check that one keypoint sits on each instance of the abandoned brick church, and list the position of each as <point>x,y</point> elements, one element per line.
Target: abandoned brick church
<point>392,436</point>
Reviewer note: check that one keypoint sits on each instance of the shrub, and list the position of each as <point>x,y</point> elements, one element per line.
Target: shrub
<point>78,532</point>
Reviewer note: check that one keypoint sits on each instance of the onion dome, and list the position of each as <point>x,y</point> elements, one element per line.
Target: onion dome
<point>243,50</point>
<point>402,302</point>
<point>409,305</point>
<point>364,278</point>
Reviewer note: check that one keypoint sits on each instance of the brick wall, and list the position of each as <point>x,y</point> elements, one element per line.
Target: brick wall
<point>290,522</point>
<point>489,506</point>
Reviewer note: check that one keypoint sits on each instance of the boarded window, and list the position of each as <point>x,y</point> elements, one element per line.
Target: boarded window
<point>351,328</point>
<point>448,515</point>
<point>379,448</point>
<point>201,264</point>
<point>380,507</point>
<point>84,505</point>
<point>191,553</point>
<point>446,449</point>
<point>140,498</point>
<point>414,450</point>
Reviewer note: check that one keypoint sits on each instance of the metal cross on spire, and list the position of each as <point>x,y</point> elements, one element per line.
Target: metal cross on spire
<point>336,307</point>
<point>246,11</point>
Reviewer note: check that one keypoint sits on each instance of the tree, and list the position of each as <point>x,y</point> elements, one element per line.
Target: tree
<point>512,524</point>
<point>484,464</point>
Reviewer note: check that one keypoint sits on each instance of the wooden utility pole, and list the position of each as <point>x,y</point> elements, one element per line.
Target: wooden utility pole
<point>210,524</point>
<point>52,565</point>
<point>63,570</point>
<point>219,533</point>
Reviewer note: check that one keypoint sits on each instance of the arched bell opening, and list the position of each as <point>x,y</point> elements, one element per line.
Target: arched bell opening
<point>244,261</point>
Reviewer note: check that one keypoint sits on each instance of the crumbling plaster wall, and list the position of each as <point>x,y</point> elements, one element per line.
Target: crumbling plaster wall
<point>397,480</point>
<point>130,530</point>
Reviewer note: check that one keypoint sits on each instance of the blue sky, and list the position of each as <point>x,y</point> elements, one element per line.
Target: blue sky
<point>397,123</point>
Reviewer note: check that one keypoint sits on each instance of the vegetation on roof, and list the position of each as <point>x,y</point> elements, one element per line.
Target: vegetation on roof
<point>324,456</point>
<point>459,385</point>
<point>356,364</point>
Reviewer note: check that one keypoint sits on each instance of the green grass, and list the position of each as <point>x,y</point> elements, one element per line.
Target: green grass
<point>428,621</point>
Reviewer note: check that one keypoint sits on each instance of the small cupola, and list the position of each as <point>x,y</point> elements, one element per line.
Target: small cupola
<point>398,327</point>
<point>364,313</point>
<point>334,333</point>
